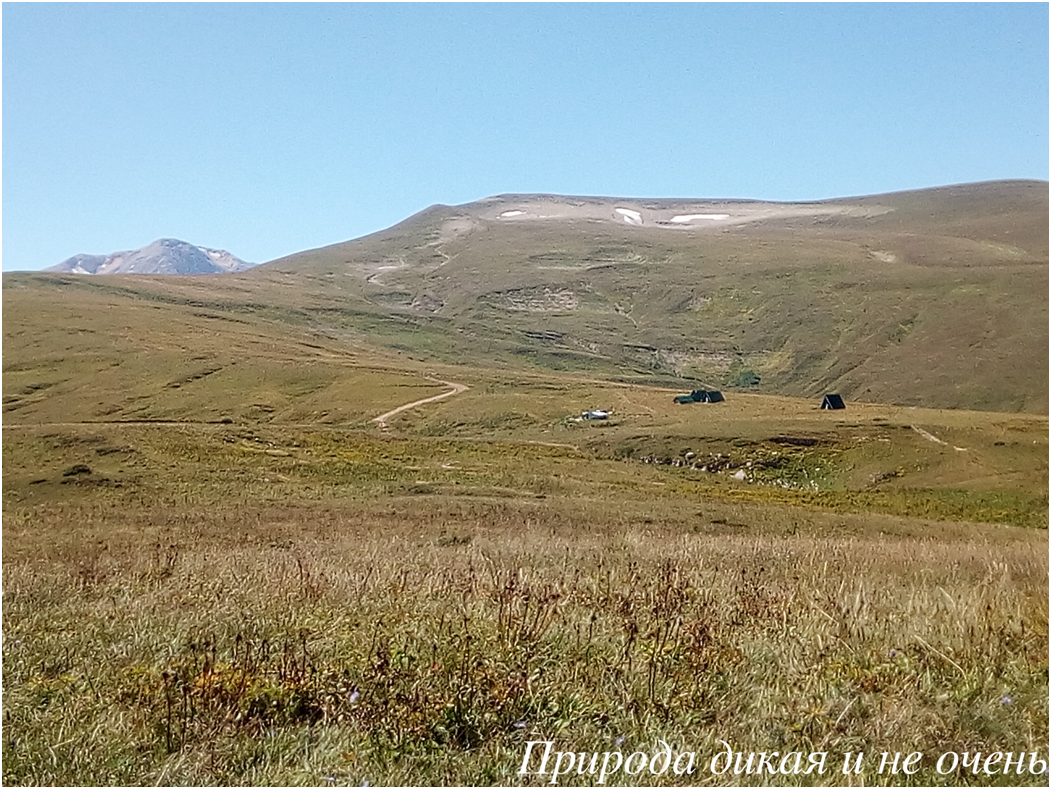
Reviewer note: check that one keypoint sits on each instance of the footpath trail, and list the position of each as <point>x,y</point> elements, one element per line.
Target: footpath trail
<point>381,420</point>
<point>935,439</point>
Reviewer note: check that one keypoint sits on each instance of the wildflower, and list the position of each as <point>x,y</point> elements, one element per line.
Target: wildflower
<point>1006,700</point>
<point>354,696</point>
<point>519,724</point>
<point>619,741</point>
<point>893,653</point>
<point>331,779</point>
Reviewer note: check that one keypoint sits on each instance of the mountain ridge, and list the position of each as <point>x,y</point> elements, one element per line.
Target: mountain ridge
<point>163,256</point>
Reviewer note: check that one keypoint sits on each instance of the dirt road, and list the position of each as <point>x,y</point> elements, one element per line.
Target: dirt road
<point>381,420</point>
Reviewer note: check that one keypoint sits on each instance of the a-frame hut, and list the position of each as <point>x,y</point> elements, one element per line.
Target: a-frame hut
<point>832,402</point>
<point>701,396</point>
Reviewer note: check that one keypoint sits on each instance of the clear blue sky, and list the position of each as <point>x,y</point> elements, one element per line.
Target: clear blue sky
<point>269,129</point>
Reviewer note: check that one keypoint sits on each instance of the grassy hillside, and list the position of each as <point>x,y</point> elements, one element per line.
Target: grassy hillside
<point>98,354</point>
<point>924,298</point>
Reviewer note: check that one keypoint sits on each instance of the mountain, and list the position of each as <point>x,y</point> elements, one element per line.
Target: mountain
<point>928,297</point>
<point>163,256</point>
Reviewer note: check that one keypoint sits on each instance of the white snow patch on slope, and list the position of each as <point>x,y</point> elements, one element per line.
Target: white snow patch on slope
<point>682,219</point>
<point>508,214</point>
<point>631,217</point>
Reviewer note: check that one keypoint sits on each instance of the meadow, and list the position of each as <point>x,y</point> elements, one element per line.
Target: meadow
<point>267,603</point>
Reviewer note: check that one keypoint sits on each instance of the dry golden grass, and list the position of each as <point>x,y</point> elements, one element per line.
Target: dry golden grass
<point>424,639</point>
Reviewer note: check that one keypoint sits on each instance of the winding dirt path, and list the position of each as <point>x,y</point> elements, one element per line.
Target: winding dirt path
<point>935,439</point>
<point>381,420</point>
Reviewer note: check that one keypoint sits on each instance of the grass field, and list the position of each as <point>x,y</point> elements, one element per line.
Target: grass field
<point>273,602</point>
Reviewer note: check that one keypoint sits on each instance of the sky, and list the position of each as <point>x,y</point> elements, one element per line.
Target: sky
<point>267,129</point>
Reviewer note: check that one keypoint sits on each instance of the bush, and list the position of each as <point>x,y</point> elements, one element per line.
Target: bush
<point>747,378</point>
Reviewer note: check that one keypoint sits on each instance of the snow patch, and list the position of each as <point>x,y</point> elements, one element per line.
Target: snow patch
<point>683,219</point>
<point>629,216</point>
<point>509,214</point>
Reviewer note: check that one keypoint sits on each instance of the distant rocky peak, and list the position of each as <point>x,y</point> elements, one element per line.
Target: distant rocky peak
<point>164,256</point>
